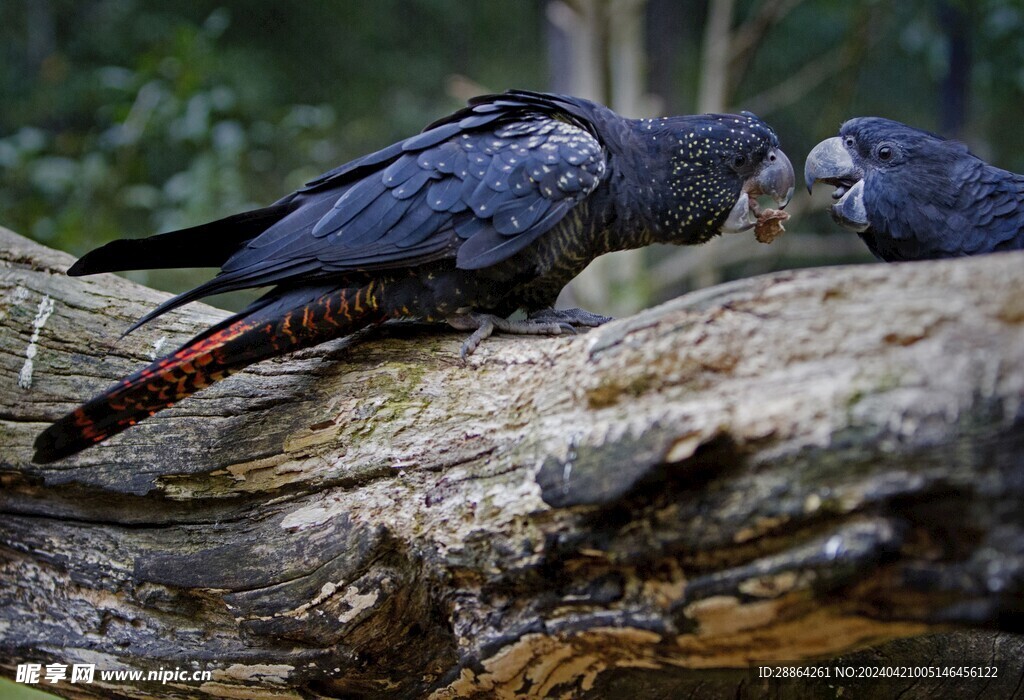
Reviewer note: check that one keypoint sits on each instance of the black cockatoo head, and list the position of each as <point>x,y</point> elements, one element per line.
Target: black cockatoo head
<point>720,164</point>
<point>912,194</point>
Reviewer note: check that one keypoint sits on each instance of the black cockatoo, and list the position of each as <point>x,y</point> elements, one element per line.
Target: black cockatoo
<point>488,211</point>
<point>913,195</point>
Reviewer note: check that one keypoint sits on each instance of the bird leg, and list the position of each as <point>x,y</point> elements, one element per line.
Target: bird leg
<point>483,325</point>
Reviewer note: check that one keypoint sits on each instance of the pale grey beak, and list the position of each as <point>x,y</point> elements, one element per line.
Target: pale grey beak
<point>740,218</point>
<point>774,178</point>
<point>831,163</point>
<point>849,211</point>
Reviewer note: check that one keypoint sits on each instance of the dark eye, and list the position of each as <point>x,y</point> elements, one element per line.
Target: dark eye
<point>849,142</point>
<point>884,152</point>
<point>739,161</point>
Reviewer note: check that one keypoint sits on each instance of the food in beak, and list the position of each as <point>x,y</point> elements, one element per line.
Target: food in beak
<point>775,179</point>
<point>769,225</point>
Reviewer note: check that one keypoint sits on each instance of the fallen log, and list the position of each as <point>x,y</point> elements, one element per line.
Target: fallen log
<point>783,470</point>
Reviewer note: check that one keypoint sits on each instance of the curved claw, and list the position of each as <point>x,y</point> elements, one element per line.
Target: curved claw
<point>482,333</point>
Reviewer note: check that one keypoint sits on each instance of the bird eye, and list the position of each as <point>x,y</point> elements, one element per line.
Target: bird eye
<point>739,161</point>
<point>849,142</point>
<point>885,152</point>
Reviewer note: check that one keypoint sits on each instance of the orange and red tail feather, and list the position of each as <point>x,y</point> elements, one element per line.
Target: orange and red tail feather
<point>266,331</point>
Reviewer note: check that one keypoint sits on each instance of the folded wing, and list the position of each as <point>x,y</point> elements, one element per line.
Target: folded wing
<point>478,187</point>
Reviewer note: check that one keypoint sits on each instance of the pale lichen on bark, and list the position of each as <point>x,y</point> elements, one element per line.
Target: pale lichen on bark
<point>43,313</point>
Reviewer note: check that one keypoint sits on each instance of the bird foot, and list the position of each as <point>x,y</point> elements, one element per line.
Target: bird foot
<point>574,317</point>
<point>483,325</point>
<point>544,322</point>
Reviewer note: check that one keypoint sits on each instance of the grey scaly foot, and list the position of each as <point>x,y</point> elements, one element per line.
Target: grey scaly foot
<point>483,325</point>
<point>574,317</point>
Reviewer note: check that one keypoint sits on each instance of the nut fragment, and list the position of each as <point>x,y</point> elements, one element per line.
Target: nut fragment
<point>769,225</point>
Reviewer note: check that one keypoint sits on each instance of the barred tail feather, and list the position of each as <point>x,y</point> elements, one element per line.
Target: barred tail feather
<point>273,326</point>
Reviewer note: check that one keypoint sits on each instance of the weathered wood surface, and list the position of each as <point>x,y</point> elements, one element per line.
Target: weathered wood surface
<point>788,468</point>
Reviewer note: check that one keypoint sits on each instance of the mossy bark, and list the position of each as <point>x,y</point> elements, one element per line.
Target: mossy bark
<point>790,468</point>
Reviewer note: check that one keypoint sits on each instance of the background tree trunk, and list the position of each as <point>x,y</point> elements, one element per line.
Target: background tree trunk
<point>787,468</point>
<point>596,51</point>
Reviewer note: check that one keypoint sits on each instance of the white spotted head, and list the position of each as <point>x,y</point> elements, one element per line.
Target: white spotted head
<point>717,164</point>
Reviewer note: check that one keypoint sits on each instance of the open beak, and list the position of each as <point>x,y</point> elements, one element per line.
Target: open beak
<point>773,178</point>
<point>831,163</point>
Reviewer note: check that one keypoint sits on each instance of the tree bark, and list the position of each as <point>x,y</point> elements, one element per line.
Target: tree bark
<point>784,469</point>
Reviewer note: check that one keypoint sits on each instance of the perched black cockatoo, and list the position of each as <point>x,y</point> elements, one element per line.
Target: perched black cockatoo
<point>487,211</point>
<point>913,195</point>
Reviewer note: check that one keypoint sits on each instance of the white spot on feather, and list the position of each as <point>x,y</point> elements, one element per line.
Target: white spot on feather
<point>42,315</point>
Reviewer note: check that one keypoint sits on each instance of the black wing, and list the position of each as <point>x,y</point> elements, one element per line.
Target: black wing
<point>478,186</point>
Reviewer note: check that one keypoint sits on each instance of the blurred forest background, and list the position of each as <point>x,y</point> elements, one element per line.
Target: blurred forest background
<point>129,117</point>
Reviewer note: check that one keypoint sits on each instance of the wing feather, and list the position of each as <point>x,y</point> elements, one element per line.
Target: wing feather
<point>401,170</point>
<point>515,217</point>
<point>488,247</point>
<point>444,193</point>
<point>357,198</point>
<point>479,187</point>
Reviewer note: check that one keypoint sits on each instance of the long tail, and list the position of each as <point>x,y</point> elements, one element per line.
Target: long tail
<point>207,245</point>
<point>277,324</point>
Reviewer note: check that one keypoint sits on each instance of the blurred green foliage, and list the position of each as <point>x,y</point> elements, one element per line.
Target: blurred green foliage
<point>127,117</point>
<point>9,690</point>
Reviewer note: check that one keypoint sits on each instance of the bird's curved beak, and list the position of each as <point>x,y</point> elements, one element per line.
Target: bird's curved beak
<point>831,163</point>
<point>774,178</point>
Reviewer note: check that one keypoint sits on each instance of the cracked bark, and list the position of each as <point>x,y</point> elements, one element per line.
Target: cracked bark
<point>816,465</point>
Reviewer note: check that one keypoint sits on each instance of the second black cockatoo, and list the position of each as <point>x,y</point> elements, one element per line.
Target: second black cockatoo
<point>487,211</point>
<point>913,195</point>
